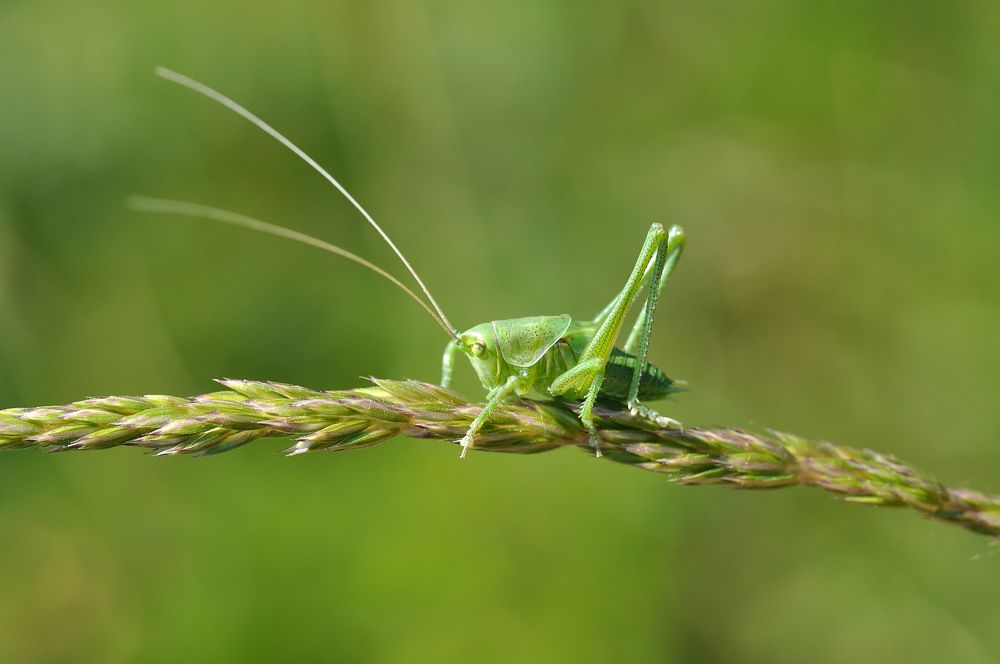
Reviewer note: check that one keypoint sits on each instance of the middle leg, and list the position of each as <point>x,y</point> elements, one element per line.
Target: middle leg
<point>517,383</point>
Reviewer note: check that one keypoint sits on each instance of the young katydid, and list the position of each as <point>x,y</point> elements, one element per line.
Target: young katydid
<point>574,360</point>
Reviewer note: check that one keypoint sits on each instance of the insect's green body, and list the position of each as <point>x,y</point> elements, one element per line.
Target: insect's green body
<point>564,354</point>
<point>552,355</point>
<point>653,383</point>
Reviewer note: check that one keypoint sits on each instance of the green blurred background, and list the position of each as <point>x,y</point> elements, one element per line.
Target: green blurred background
<point>835,165</point>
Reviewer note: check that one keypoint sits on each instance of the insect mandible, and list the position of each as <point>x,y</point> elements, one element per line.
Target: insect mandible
<point>575,360</point>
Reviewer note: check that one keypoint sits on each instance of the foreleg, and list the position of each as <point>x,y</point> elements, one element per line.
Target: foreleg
<point>448,363</point>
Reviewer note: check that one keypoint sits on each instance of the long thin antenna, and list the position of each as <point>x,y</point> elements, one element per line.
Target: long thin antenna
<point>203,89</point>
<point>160,205</point>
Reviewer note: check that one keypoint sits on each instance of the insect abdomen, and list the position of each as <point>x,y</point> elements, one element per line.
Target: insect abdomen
<point>653,383</point>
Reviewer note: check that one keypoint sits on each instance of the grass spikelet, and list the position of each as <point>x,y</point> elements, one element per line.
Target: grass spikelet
<point>351,419</point>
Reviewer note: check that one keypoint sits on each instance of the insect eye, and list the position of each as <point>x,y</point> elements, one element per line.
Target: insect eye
<point>478,349</point>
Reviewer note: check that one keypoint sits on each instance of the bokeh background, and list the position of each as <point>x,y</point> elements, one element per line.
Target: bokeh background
<point>836,167</point>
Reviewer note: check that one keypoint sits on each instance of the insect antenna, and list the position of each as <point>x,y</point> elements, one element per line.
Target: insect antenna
<point>220,98</point>
<point>181,208</point>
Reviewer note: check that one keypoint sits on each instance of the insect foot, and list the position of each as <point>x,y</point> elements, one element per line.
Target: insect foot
<point>665,422</point>
<point>466,443</point>
<point>637,409</point>
<point>595,442</point>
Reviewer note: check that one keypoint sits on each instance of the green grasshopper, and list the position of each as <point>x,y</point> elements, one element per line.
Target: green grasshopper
<point>571,360</point>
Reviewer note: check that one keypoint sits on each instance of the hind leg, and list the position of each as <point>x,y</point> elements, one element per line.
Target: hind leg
<point>638,339</point>
<point>659,249</point>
